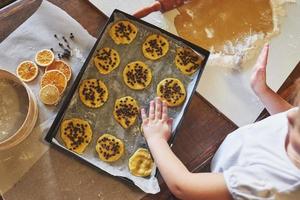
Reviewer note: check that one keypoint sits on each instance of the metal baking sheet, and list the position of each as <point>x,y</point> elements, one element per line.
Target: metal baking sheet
<point>102,120</point>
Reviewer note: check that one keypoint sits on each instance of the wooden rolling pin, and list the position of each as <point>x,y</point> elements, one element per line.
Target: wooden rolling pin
<point>159,5</point>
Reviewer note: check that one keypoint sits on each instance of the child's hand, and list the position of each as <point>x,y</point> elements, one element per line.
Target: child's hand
<point>258,77</point>
<point>158,125</point>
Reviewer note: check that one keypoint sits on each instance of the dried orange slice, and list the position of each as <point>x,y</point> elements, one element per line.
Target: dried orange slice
<point>49,95</point>
<point>54,77</point>
<point>44,57</point>
<point>62,67</point>
<point>27,71</point>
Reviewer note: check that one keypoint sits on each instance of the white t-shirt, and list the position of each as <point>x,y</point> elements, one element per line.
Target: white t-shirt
<point>255,164</point>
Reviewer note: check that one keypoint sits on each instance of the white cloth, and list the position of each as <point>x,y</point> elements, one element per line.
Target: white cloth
<point>255,164</point>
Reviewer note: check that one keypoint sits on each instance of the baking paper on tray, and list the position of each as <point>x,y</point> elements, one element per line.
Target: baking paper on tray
<point>102,120</point>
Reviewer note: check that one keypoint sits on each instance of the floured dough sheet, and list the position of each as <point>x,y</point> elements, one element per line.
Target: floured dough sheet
<point>234,31</point>
<point>228,88</point>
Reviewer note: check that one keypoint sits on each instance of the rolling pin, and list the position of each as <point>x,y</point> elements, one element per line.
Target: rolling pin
<point>159,5</point>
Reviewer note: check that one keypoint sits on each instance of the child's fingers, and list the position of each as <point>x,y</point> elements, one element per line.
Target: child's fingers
<point>170,123</point>
<point>151,111</point>
<point>263,57</point>
<point>157,108</point>
<point>164,111</point>
<point>143,114</point>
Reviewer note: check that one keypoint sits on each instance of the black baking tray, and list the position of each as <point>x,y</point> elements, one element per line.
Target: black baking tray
<point>57,121</point>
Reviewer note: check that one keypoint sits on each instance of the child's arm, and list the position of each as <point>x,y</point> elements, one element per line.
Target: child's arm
<point>182,183</point>
<point>273,102</point>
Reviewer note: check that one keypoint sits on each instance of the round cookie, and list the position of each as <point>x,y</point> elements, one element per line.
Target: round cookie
<point>126,111</point>
<point>109,148</point>
<point>172,91</point>
<point>140,163</point>
<point>76,134</point>
<point>123,32</point>
<point>93,93</point>
<point>187,61</point>
<point>137,75</point>
<point>106,60</point>
<point>155,47</point>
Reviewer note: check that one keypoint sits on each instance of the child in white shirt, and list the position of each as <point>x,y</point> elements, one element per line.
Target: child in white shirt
<point>257,161</point>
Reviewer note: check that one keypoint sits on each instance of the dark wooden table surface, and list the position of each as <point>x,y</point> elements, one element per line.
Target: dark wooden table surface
<point>203,128</point>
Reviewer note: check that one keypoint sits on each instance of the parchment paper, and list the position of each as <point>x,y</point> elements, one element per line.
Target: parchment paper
<point>102,120</point>
<point>34,34</point>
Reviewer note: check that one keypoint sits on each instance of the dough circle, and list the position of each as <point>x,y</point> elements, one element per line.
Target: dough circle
<point>76,134</point>
<point>123,32</point>
<point>155,47</point>
<point>126,111</point>
<point>137,75</point>
<point>187,61</point>
<point>109,148</point>
<point>106,60</point>
<point>93,93</point>
<point>141,163</point>
<point>172,91</point>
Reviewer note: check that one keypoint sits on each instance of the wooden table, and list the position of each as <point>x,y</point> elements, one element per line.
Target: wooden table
<point>203,128</point>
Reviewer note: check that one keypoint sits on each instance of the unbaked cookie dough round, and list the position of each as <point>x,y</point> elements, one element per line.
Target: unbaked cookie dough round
<point>155,47</point>
<point>76,134</point>
<point>126,111</point>
<point>123,32</point>
<point>137,75</point>
<point>93,93</point>
<point>172,91</point>
<point>109,148</point>
<point>187,61</point>
<point>141,163</point>
<point>106,60</point>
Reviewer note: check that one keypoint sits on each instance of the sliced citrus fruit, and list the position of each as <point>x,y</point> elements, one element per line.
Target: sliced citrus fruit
<point>27,71</point>
<point>49,94</point>
<point>44,57</point>
<point>55,77</point>
<point>62,67</point>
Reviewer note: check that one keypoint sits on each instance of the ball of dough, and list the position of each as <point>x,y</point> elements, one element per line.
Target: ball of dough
<point>141,163</point>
